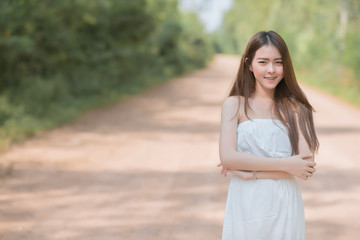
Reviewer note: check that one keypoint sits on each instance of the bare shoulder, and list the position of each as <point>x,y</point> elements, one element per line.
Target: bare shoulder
<point>231,106</point>
<point>233,102</point>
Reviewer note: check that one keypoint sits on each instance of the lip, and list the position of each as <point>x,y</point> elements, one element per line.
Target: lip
<point>270,78</point>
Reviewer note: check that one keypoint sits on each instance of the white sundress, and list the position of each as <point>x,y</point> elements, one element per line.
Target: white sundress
<point>264,209</point>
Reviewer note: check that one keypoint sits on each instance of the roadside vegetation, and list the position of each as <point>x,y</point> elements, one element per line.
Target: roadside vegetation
<point>61,58</point>
<point>323,37</point>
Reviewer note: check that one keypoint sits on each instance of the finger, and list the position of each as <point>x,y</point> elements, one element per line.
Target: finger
<point>303,177</point>
<point>307,175</point>
<point>311,163</point>
<point>305,156</point>
<point>311,170</point>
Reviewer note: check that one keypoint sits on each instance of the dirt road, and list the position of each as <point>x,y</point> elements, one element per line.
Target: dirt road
<point>145,168</point>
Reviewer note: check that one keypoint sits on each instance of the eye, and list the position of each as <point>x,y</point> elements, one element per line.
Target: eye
<point>262,62</point>
<point>279,62</point>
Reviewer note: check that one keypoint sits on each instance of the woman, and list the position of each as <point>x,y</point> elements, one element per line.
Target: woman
<point>267,137</point>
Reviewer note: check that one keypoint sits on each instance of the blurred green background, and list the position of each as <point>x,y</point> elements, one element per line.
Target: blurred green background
<point>61,58</point>
<point>323,37</point>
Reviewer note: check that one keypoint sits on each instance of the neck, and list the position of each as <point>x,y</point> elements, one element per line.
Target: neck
<point>264,94</point>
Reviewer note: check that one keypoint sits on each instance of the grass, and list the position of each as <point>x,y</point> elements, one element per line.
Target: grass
<point>339,82</point>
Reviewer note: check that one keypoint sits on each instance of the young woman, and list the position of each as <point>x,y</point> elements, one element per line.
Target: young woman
<point>267,137</point>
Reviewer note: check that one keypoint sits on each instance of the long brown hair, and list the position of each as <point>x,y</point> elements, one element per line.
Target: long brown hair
<point>289,99</point>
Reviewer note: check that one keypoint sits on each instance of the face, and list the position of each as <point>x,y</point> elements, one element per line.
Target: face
<point>267,67</point>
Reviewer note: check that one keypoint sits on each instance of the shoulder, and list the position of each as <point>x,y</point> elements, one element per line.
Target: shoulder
<point>231,106</point>
<point>232,102</point>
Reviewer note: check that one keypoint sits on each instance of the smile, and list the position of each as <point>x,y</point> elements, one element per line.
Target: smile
<point>270,78</point>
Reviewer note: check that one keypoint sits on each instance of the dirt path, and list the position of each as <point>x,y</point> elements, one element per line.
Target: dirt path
<point>145,168</point>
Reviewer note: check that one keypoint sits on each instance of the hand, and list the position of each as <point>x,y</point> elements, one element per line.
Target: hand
<point>224,171</point>
<point>301,166</point>
<point>246,175</point>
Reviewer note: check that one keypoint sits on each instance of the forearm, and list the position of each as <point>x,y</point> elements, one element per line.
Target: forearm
<point>242,161</point>
<point>252,175</point>
<point>272,175</point>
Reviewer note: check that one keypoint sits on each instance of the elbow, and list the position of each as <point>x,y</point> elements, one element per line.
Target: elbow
<point>225,161</point>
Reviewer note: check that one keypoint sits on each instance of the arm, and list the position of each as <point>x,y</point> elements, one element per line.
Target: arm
<point>231,159</point>
<point>247,175</point>
<point>303,149</point>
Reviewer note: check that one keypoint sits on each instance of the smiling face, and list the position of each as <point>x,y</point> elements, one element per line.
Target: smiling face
<point>267,67</point>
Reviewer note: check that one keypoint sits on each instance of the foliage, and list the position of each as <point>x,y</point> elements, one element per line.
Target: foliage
<point>59,58</point>
<point>323,37</point>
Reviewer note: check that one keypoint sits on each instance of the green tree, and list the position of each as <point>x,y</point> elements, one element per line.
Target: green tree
<point>322,37</point>
<point>62,57</point>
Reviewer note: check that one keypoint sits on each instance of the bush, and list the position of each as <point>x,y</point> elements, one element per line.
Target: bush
<point>62,57</point>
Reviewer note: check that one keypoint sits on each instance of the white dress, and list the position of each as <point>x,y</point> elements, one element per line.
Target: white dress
<point>264,209</point>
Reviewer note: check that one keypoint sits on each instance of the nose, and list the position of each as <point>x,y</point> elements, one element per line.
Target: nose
<point>271,68</point>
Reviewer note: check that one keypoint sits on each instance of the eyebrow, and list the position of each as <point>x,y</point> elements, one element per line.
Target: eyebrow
<point>261,58</point>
